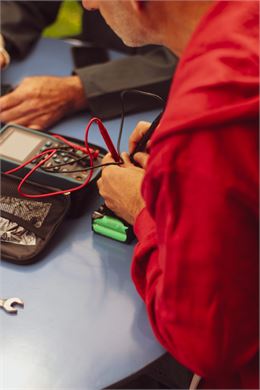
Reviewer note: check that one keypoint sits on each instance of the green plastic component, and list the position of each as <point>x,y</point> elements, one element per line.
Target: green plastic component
<point>108,232</point>
<point>111,223</point>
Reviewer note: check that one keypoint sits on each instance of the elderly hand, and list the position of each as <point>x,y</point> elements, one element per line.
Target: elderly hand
<point>120,186</point>
<point>40,101</point>
<point>138,133</point>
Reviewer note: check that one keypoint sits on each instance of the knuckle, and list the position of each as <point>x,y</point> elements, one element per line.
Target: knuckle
<point>143,125</point>
<point>108,203</point>
<point>26,80</point>
<point>3,116</point>
<point>140,124</point>
<point>101,192</point>
<point>41,122</point>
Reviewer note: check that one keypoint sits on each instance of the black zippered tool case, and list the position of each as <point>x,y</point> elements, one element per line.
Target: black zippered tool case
<point>28,224</point>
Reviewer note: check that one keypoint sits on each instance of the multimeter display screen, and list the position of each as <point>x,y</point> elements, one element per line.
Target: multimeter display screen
<point>18,145</point>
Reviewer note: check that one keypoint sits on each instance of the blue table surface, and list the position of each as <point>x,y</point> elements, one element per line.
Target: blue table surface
<point>83,325</point>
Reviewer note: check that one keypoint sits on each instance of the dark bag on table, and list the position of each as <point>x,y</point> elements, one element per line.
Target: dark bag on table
<point>28,224</point>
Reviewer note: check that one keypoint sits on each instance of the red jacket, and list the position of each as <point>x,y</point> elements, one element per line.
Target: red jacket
<point>196,262</point>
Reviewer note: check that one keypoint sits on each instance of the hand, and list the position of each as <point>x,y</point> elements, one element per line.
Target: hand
<point>137,134</point>
<point>40,101</point>
<point>120,186</point>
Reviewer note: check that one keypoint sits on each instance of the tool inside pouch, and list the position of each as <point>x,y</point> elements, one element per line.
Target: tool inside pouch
<point>27,225</point>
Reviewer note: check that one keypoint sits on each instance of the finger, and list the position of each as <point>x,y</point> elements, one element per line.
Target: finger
<point>18,111</point>
<point>141,159</point>
<point>24,120</point>
<point>137,134</point>
<point>107,159</point>
<point>42,122</point>
<point>125,157</point>
<point>99,183</point>
<point>107,202</point>
<point>37,122</point>
<point>35,127</point>
<point>10,100</point>
<point>101,188</point>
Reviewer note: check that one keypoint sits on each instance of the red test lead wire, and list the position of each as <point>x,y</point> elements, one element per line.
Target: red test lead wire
<point>51,152</point>
<point>107,139</point>
<point>75,146</point>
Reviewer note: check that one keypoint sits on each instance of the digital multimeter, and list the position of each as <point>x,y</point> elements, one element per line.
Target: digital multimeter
<point>65,169</point>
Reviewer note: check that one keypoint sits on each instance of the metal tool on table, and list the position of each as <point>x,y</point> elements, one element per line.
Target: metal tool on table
<point>9,304</point>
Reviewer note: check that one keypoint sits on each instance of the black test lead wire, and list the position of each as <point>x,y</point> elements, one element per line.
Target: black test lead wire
<point>122,98</point>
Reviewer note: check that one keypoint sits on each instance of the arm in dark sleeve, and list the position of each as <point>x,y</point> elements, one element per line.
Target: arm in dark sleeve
<point>22,23</point>
<point>151,71</point>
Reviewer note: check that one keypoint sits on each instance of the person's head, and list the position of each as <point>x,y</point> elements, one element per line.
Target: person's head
<point>127,18</point>
<point>142,22</point>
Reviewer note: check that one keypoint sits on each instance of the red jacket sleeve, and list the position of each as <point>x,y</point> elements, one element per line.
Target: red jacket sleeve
<point>196,262</point>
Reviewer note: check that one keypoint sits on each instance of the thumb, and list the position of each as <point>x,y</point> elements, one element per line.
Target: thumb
<point>141,158</point>
<point>125,157</point>
<point>35,127</point>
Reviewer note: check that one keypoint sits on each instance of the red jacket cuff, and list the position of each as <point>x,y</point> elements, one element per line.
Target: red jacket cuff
<point>144,225</point>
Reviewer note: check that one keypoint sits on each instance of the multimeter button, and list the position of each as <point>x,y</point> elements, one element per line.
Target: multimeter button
<point>48,143</point>
<point>63,154</point>
<point>56,169</point>
<point>83,163</point>
<point>34,161</point>
<point>48,165</point>
<point>79,152</point>
<point>57,160</point>
<point>66,159</point>
<point>55,156</point>
<point>79,178</point>
<point>64,170</point>
<point>43,148</point>
<point>71,150</point>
